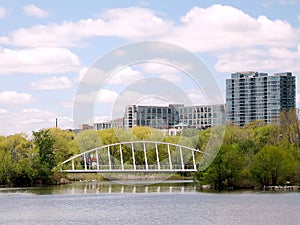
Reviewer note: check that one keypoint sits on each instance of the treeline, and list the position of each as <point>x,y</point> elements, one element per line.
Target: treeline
<point>255,155</point>
<point>30,161</point>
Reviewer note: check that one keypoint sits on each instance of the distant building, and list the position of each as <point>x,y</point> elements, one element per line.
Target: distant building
<point>167,117</point>
<point>85,127</point>
<point>116,123</point>
<point>258,96</point>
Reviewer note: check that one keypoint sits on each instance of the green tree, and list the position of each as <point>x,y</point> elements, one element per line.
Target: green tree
<point>23,158</point>
<point>44,142</point>
<point>62,146</point>
<point>5,158</point>
<point>87,139</point>
<point>225,170</point>
<point>290,126</point>
<point>272,165</point>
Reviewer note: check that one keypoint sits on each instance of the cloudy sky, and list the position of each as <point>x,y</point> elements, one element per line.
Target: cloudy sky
<point>47,47</point>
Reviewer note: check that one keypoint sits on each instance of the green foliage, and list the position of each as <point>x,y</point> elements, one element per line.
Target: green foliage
<point>257,154</point>
<point>225,170</point>
<point>273,166</point>
<point>87,139</point>
<point>44,143</point>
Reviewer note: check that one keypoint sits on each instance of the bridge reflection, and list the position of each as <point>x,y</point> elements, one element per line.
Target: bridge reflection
<point>112,188</point>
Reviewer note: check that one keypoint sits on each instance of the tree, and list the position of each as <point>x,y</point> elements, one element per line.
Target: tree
<point>225,170</point>
<point>290,126</point>
<point>272,165</point>
<point>62,146</point>
<point>87,139</point>
<point>5,159</point>
<point>44,143</point>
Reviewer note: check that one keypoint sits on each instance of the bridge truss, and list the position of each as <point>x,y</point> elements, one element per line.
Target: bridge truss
<point>134,156</point>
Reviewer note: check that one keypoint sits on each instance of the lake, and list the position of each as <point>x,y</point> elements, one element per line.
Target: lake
<point>143,203</point>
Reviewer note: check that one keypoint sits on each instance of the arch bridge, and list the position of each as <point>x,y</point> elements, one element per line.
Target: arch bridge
<point>134,156</point>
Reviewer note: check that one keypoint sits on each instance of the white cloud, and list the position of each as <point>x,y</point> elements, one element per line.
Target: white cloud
<point>32,10</point>
<point>12,97</point>
<point>2,12</point>
<point>67,104</point>
<point>171,77</point>
<point>104,96</point>
<point>270,59</point>
<point>28,120</point>
<point>220,28</point>
<point>38,61</point>
<point>107,96</point>
<point>3,111</point>
<point>158,68</point>
<point>215,28</point>
<point>52,83</point>
<point>31,110</point>
<point>125,76</point>
<point>81,73</point>
<point>129,23</point>
<point>197,97</point>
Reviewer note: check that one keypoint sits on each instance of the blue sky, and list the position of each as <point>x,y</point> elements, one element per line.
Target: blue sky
<point>46,47</point>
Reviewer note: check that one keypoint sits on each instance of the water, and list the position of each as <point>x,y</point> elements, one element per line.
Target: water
<point>169,203</point>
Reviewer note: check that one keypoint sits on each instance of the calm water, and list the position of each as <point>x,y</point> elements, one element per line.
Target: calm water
<point>169,203</point>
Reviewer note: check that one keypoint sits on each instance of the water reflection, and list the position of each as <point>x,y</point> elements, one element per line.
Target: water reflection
<point>109,188</point>
<point>116,188</point>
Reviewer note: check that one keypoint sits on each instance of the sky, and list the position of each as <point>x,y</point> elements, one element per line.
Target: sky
<point>48,47</point>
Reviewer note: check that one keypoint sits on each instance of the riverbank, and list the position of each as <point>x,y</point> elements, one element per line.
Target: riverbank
<point>285,188</point>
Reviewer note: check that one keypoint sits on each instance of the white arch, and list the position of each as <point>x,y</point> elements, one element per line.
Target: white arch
<point>135,168</point>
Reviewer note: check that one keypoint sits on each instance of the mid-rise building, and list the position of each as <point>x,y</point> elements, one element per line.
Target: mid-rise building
<point>116,123</point>
<point>166,117</point>
<point>258,96</point>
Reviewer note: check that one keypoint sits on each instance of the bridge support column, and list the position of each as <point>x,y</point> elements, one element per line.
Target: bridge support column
<point>170,159</point>
<point>181,157</point>
<point>121,156</point>
<point>194,161</point>
<point>97,158</point>
<point>157,156</point>
<point>133,157</point>
<point>109,160</point>
<point>84,159</point>
<point>73,167</point>
<point>145,155</point>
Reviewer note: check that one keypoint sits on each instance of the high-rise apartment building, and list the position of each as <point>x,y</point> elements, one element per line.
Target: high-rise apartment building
<point>258,96</point>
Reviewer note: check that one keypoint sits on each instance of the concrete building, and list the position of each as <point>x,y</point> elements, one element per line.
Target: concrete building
<point>116,123</point>
<point>258,96</point>
<point>167,117</point>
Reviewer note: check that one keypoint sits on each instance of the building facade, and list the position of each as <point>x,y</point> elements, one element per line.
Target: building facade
<point>258,96</point>
<point>116,123</point>
<point>172,116</point>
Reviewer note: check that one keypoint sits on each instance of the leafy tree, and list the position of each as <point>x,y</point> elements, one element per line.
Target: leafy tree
<point>225,170</point>
<point>23,157</point>
<point>290,126</point>
<point>44,143</point>
<point>5,159</point>
<point>62,147</point>
<point>87,139</point>
<point>272,165</point>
